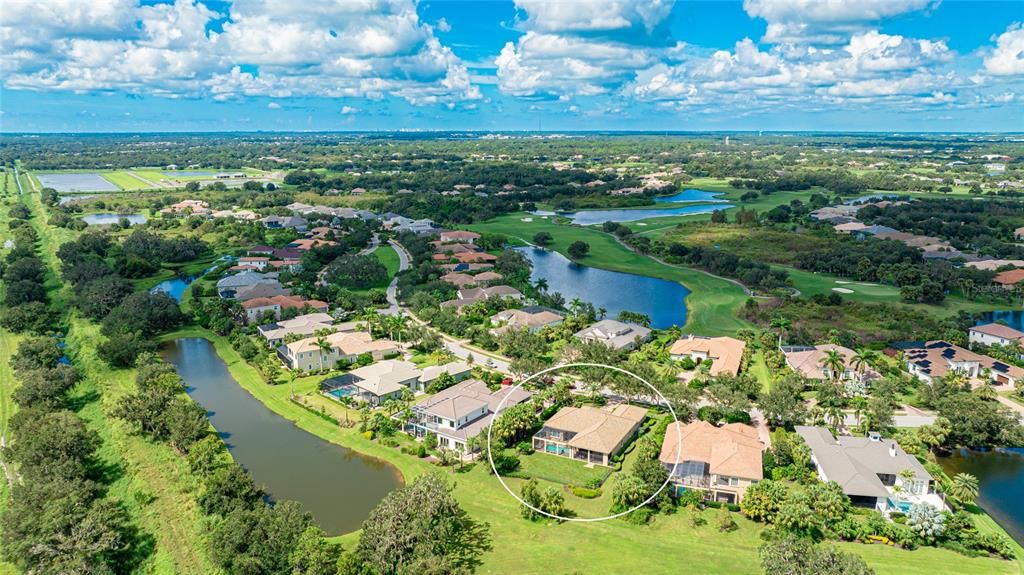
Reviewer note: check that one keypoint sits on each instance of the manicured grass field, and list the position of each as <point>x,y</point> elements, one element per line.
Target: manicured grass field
<point>810,283</point>
<point>559,469</point>
<point>670,545</point>
<point>126,181</point>
<point>711,307</point>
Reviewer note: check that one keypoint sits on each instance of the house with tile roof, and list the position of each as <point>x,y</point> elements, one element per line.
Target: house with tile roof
<point>722,462</point>
<point>810,362</point>
<point>725,353</point>
<point>374,384</point>
<point>533,319</point>
<point>1009,278</point>
<point>255,308</point>
<point>304,325</point>
<point>461,412</point>
<point>615,334</point>
<point>590,434</point>
<point>934,359</point>
<point>871,470</point>
<point>995,334</point>
<point>307,355</point>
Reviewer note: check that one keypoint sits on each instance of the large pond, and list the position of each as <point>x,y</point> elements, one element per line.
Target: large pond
<point>591,217</point>
<point>80,182</point>
<point>664,301</point>
<point>691,195</point>
<point>110,219</point>
<point>1001,474</point>
<point>337,485</point>
<point>1012,318</point>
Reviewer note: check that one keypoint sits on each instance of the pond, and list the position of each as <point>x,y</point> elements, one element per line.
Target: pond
<point>62,200</point>
<point>110,219</point>
<point>664,301</point>
<point>175,287</point>
<point>590,217</point>
<point>80,182</point>
<point>1001,475</point>
<point>1012,318</point>
<point>337,485</point>
<point>691,195</point>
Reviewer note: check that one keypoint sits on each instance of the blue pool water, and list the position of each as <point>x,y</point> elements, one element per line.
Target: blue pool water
<point>343,391</point>
<point>662,300</point>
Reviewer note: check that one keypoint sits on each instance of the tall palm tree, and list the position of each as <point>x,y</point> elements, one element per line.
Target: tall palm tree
<point>324,347</point>
<point>964,488</point>
<point>835,363</point>
<point>541,284</point>
<point>781,324</point>
<point>601,312</point>
<point>863,359</point>
<point>370,316</point>
<point>400,323</point>
<point>574,305</point>
<point>860,405</point>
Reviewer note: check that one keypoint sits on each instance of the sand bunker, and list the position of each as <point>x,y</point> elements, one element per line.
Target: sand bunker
<point>842,290</point>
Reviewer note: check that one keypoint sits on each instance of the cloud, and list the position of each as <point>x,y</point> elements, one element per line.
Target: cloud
<point>357,48</point>
<point>825,21</point>
<point>581,48</point>
<point>1007,59</point>
<point>349,110</point>
<point>274,106</point>
<point>443,25</point>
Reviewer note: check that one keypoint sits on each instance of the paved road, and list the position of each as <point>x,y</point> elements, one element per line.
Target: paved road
<point>404,260</point>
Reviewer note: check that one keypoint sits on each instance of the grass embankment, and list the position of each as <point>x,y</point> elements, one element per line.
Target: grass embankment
<point>604,547</point>
<point>8,345</point>
<point>150,479</point>
<point>711,306</point>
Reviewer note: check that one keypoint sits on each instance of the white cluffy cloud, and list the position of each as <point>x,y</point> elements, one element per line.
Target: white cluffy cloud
<point>580,48</point>
<point>357,48</point>
<point>1007,59</point>
<point>825,21</point>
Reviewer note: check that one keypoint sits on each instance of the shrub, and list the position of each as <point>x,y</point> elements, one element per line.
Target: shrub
<point>421,451</point>
<point>690,497</point>
<point>368,434</point>
<point>505,463</point>
<point>585,492</point>
<point>524,447</point>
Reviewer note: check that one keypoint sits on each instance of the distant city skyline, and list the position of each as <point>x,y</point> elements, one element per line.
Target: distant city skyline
<point>528,65</point>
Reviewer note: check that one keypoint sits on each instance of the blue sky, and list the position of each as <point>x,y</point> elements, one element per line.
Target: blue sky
<point>131,65</point>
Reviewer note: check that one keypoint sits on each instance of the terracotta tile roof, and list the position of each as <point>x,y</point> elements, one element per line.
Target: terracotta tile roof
<point>726,353</point>
<point>734,449</point>
<point>1009,278</point>
<point>998,330</point>
<point>600,430</point>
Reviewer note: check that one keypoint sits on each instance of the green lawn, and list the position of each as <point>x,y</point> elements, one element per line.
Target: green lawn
<point>559,469</point>
<point>670,545</point>
<point>711,307</point>
<point>386,255</point>
<point>126,181</point>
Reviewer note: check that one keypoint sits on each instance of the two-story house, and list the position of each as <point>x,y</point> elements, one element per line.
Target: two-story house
<point>459,413</point>
<point>722,462</point>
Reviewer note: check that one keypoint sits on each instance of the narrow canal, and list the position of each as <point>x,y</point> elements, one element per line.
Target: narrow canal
<point>337,485</point>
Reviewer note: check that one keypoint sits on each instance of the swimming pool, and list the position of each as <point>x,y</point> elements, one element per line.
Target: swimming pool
<point>346,390</point>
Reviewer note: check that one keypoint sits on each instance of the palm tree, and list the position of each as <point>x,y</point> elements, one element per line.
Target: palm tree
<point>781,324</point>
<point>323,346</point>
<point>964,488</point>
<point>864,358</point>
<point>907,475</point>
<point>834,415</point>
<point>541,284</point>
<point>575,305</point>
<point>400,323</point>
<point>370,316</point>
<point>601,312</point>
<point>859,404</point>
<point>835,363</point>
